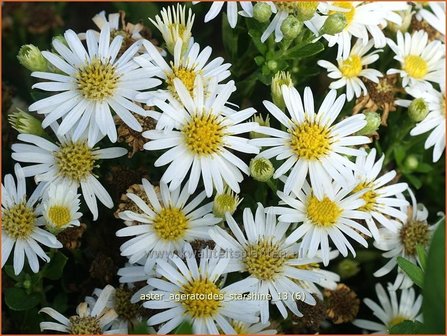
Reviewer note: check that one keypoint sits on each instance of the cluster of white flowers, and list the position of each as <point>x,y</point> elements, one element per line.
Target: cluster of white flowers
<point>333,188</point>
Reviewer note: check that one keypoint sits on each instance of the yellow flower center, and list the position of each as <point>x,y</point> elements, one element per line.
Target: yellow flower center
<point>19,221</point>
<point>351,67</point>
<point>370,197</point>
<point>239,327</point>
<point>97,80</point>
<point>395,321</point>
<point>88,325</point>
<point>265,259</point>
<point>415,66</point>
<point>187,76</point>
<point>203,134</point>
<point>414,233</point>
<point>170,224</point>
<point>349,15</point>
<point>323,213</point>
<point>59,215</point>
<point>75,160</point>
<point>201,298</point>
<point>310,141</point>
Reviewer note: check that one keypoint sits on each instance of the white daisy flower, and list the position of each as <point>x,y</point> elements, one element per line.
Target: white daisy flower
<point>274,264</point>
<point>421,61</point>
<point>207,129</point>
<point>435,119</point>
<point>191,291</point>
<point>90,319</point>
<point>20,224</point>
<point>243,328</point>
<point>165,225</point>
<point>69,161</point>
<point>282,9</point>
<point>232,10</point>
<point>391,311</point>
<point>402,243</point>
<point>60,207</point>
<point>132,31</point>
<point>328,213</point>
<point>363,19</point>
<point>187,66</point>
<point>312,144</point>
<point>133,273</point>
<point>92,82</point>
<point>350,69</point>
<point>380,197</point>
<point>174,25</point>
<point>435,17</point>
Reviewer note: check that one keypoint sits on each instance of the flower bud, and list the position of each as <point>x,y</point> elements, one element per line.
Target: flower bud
<point>262,122</point>
<point>291,27</point>
<point>225,202</point>
<point>306,9</point>
<point>334,24</point>
<point>25,123</point>
<point>347,268</point>
<point>272,65</point>
<point>372,123</point>
<point>262,12</point>
<point>31,58</point>
<point>261,169</point>
<point>418,110</point>
<point>281,78</point>
<point>411,162</point>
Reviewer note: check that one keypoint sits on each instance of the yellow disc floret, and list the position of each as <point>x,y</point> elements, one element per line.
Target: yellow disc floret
<point>324,213</point>
<point>415,66</point>
<point>351,67</point>
<point>370,196</point>
<point>265,259</point>
<point>59,215</point>
<point>97,80</point>
<point>310,141</point>
<point>18,221</point>
<point>170,224</point>
<point>201,298</point>
<point>75,160</point>
<point>187,76</point>
<point>203,134</point>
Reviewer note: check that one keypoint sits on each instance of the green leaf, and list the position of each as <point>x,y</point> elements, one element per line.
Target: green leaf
<point>139,329</point>
<point>433,306</point>
<point>412,270</point>
<point>229,37</point>
<point>54,269</point>
<point>256,38</point>
<point>422,256</point>
<point>18,299</point>
<point>184,329</point>
<point>9,270</point>
<point>302,51</point>
<point>407,327</point>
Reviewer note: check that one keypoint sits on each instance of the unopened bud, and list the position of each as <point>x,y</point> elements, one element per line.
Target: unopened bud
<point>31,58</point>
<point>334,24</point>
<point>372,123</point>
<point>291,27</point>
<point>25,123</point>
<point>418,109</point>
<point>262,12</point>
<point>411,162</point>
<point>272,65</point>
<point>347,268</point>
<point>261,169</point>
<point>262,122</point>
<point>226,202</point>
<point>281,78</point>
